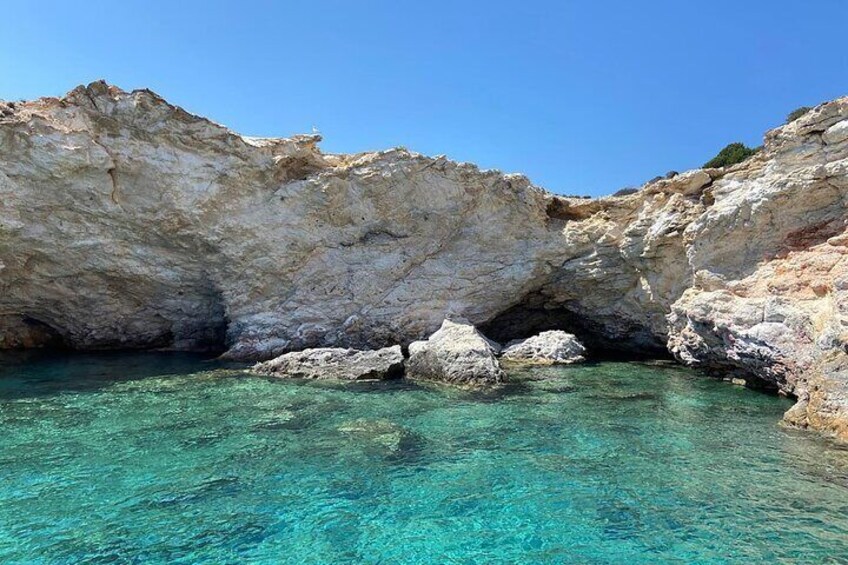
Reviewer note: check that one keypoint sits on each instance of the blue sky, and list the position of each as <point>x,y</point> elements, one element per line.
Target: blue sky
<point>583,97</point>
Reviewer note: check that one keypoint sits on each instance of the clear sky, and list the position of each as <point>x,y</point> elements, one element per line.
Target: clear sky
<point>583,97</point>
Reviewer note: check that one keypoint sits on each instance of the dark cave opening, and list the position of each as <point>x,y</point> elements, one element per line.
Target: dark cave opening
<point>628,341</point>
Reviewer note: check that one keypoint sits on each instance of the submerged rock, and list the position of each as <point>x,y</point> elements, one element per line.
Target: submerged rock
<point>381,433</point>
<point>336,363</point>
<point>457,353</point>
<point>546,348</point>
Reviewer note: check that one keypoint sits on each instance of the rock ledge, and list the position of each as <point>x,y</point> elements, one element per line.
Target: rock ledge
<point>336,363</point>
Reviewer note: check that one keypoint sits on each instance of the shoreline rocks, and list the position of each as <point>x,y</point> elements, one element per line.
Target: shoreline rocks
<point>546,348</point>
<point>129,223</point>
<point>336,363</point>
<point>457,353</point>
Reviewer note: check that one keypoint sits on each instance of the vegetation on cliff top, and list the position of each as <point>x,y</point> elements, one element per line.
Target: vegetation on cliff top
<point>732,154</point>
<point>627,190</point>
<point>797,113</point>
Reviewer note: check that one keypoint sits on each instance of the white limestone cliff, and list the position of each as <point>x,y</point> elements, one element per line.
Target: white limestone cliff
<point>128,222</point>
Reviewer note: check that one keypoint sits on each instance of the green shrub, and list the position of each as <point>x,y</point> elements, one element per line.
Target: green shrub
<point>625,191</point>
<point>730,155</point>
<point>797,113</point>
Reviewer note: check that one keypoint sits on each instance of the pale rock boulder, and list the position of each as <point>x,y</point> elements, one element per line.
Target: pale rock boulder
<point>546,348</point>
<point>457,353</point>
<point>336,363</point>
<point>837,133</point>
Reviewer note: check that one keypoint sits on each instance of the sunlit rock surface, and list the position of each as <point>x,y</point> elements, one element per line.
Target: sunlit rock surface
<point>126,222</point>
<point>545,348</point>
<point>335,363</point>
<point>457,353</point>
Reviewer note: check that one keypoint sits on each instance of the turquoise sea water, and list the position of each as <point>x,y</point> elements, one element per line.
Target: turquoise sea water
<point>170,459</point>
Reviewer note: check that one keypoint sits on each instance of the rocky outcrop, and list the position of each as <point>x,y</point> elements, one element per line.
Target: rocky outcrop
<point>823,401</point>
<point>457,353</point>
<point>128,222</point>
<point>546,348</point>
<point>336,363</point>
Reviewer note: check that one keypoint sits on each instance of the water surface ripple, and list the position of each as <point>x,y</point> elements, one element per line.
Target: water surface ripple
<point>172,459</point>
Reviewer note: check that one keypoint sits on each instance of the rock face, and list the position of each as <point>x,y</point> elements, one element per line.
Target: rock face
<point>128,222</point>
<point>336,363</point>
<point>546,348</point>
<point>457,353</point>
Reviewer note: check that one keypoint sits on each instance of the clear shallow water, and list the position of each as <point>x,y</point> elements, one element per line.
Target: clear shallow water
<point>168,459</point>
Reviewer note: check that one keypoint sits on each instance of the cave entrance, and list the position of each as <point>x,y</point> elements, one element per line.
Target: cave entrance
<point>626,341</point>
